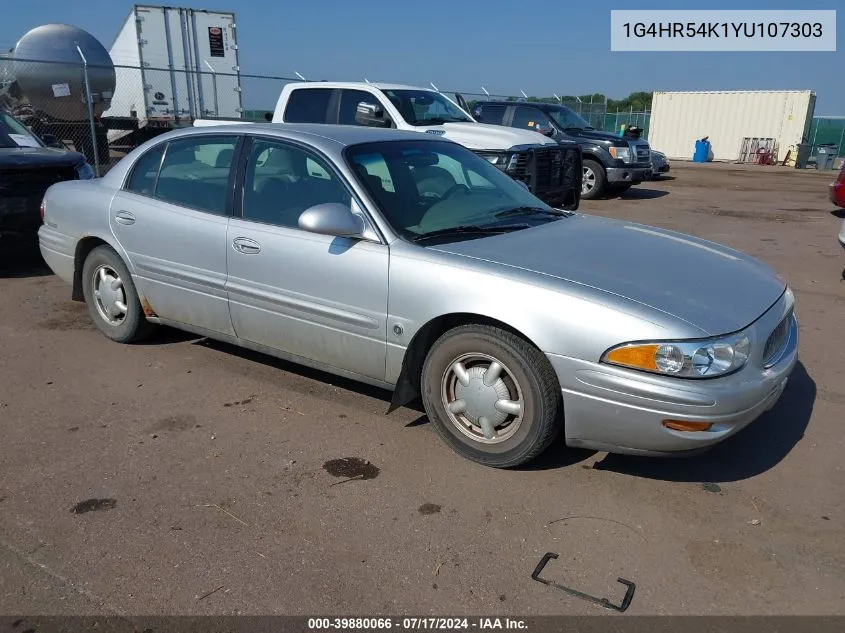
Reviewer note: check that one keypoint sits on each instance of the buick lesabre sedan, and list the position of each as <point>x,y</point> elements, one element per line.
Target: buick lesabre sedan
<point>411,263</point>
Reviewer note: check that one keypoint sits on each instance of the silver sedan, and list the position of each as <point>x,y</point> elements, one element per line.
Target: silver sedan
<point>409,262</point>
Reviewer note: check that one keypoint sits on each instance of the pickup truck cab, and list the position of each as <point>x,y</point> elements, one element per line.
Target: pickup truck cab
<point>611,163</point>
<point>550,170</point>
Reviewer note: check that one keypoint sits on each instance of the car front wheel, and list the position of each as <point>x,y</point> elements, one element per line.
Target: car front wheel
<point>492,396</point>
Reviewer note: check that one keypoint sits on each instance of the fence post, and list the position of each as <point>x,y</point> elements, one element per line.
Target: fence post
<point>90,103</point>
<point>841,138</point>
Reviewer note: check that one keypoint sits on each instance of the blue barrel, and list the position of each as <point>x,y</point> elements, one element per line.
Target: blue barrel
<point>702,151</point>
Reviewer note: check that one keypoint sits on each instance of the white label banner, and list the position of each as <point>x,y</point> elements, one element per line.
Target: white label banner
<point>707,30</point>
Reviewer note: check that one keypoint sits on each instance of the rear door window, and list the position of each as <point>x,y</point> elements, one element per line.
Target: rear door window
<point>142,179</point>
<point>308,105</point>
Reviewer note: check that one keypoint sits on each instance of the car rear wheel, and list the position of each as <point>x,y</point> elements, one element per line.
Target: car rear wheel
<point>594,180</point>
<point>111,297</point>
<point>492,396</point>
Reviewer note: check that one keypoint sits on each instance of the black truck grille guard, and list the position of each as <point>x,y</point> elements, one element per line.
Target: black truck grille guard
<point>551,173</point>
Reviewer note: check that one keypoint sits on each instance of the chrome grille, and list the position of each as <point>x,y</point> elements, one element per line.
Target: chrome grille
<point>776,340</point>
<point>643,152</point>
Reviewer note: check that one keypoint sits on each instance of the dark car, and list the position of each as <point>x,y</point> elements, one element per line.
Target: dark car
<point>611,163</point>
<point>27,167</point>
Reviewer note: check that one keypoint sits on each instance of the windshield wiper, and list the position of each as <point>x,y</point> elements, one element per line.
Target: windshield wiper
<point>469,229</point>
<point>528,210</point>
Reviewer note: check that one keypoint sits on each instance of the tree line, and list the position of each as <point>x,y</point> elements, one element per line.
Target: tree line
<point>638,101</point>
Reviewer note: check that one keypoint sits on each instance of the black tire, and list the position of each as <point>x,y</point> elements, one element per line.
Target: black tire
<point>134,325</point>
<point>600,187</point>
<point>540,394</point>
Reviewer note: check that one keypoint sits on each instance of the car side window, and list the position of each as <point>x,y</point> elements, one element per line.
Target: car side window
<point>528,118</point>
<point>349,100</point>
<point>308,105</point>
<point>284,180</point>
<point>491,113</point>
<point>142,179</point>
<point>195,172</point>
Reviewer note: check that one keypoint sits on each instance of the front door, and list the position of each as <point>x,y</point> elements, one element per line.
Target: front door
<point>313,296</point>
<point>171,219</point>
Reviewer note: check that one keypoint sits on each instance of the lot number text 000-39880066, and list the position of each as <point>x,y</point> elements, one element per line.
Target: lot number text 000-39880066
<point>685,30</point>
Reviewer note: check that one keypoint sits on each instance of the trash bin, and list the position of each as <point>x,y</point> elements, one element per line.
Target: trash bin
<point>824,157</point>
<point>803,155</point>
<point>702,151</point>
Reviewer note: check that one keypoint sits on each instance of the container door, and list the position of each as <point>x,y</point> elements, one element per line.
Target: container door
<point>164,57</point>
<point>215,54</point>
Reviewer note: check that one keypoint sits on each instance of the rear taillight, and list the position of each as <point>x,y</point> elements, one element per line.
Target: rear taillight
<point>43,204</point>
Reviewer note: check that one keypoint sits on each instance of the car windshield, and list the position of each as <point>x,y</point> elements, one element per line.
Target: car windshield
<point>425,107</point>
<point>437,191</point>
<point>13,133</point>
<point>568,120</point>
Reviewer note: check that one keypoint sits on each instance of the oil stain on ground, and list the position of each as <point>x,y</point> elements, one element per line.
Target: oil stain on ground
<point>69,316</point>
<point>174,423</point>
<point>428,508</point>
<point>93,505</point>
<point>351,468</point>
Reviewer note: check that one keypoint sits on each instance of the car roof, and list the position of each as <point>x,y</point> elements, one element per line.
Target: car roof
<point>339,134</point>
<point>533,104</point>
<point>355,84</point>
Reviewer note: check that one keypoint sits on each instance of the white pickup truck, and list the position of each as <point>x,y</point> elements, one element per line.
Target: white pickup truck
<point>551,170</point>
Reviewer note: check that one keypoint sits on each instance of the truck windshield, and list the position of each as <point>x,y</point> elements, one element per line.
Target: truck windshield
<point>13,133</point>
<point>568,120</point>
<point>425,107</point>
<point>436,191</point>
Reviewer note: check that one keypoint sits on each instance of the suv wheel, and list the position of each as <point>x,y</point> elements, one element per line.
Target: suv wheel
<point>594,180</point>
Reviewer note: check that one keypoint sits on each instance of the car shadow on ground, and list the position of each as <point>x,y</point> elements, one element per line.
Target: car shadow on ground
<point>639,193</point>
<point>21,259</point>
<point>300,370</point>
<point>754,450</point>
<point>839,213</point>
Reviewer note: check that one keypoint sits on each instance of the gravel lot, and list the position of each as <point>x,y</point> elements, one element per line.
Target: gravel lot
<point>209,466</point>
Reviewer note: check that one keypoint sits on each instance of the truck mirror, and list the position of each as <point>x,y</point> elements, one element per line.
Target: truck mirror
<point>545,129</point>
<point>371,114</point>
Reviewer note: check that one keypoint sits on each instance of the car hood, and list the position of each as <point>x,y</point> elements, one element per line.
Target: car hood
<point>35,157</point>
<point>486,136</point>
<point>707,285</point>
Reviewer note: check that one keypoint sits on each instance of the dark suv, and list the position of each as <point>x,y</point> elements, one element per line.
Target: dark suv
<point>28,166</point>
<point>611,163</point>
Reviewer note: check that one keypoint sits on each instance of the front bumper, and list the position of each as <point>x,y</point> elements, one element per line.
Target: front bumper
<point>20,214</point>
<point>837,194</point>
<point>628,175</point>
<point>622,411</point>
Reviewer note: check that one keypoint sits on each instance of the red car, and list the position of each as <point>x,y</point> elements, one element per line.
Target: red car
<point>837,189</point>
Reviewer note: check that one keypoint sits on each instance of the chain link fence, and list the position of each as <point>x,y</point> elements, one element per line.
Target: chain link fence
<point>104,112</point>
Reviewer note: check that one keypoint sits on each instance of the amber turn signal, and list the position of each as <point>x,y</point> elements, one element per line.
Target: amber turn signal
<point>684,425</point>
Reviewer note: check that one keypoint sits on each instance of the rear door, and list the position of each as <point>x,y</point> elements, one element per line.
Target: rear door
<point>171,218</point>
<point>310,105</point>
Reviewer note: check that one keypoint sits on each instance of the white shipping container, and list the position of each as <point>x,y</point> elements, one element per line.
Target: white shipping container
<point>678,119</point>
<point>173,63</point>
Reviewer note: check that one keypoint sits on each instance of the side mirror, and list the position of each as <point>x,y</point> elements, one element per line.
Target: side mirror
<point>50,140</point>
<point>332,218</point>
<point>545,129</point>
<point>371,114</point>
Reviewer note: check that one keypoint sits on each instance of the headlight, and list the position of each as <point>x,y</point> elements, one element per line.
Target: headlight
<point>706,358</point>
<point>621,153</point>
<point>85,172</point>
<point>506,161</point>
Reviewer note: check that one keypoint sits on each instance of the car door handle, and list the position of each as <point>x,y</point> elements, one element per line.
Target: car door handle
<point>124,217</point>
<point>246,246</point>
